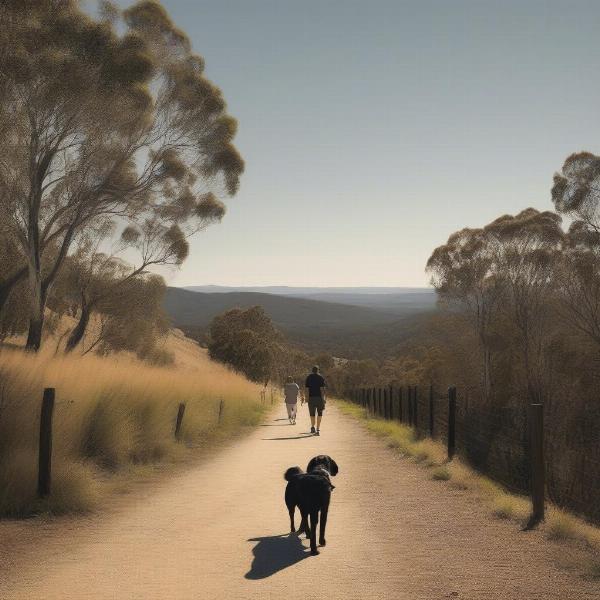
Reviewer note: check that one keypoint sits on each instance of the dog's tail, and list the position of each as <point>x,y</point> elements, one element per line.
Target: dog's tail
<point>292,472</point>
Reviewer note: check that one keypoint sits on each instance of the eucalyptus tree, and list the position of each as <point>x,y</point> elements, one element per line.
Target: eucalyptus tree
<point>462,272</point>
<point>579,290</point>
<point>526,250</point>
<point>576,193</point>
<point>507,268</point>
<point>106,120</point>
<point>576,190</point>
<point>131,318</point>
<point>101,276</point>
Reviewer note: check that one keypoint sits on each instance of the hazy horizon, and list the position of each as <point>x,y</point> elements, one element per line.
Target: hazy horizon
<point>372,131</point>
<point>322,287</point>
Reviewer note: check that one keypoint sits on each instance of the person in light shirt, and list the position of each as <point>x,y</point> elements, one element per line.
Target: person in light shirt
<point>291,391</point>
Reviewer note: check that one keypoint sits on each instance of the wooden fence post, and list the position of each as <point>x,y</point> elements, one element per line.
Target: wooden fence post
<point>179,420</point>
<point>416,407</point>
<point>451,422</point>
<point>400,398</point>
<point>536,459</point>
<point>386,401</point>
<point>221,407</point>
<point>391,402</point>
<point>409,405</point>
<point>431,411</point>
<point>45,448</point>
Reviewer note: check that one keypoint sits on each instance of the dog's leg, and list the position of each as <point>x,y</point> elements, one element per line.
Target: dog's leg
<point>314,520</point>
<point>304,524</point>
<point>324,511</point>
<point>292,510</point>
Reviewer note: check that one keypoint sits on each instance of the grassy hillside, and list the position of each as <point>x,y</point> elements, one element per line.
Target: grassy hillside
<point>112,415</point>
<point>315,324</point>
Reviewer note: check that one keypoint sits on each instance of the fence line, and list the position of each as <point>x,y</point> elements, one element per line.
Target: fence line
<point>439,416</point>
<point>45,438</point>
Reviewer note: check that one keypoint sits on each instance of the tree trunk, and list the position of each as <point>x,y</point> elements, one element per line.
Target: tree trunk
<point>40,285</point>
<point>79,330</point>
<point>38,305</point>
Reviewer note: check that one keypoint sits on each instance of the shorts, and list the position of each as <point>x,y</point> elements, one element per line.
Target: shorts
<point>316,405</point>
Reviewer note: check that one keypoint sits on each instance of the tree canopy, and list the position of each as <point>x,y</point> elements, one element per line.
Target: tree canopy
<point>109,125</point>
<point>247,340</point>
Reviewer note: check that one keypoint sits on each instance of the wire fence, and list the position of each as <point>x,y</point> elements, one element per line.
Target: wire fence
<point>517,446</point>
<point>44,485</point>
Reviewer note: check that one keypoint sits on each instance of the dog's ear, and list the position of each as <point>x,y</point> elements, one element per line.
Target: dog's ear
<point>291,473</point>
<point>334,467</point>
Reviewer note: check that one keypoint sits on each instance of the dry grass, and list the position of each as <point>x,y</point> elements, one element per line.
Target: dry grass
<point>432,454</point>
<point>441,474</point>
<point>110,414</point>
<point>559,526</point>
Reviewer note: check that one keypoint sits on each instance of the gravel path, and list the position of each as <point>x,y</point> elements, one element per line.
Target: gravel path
<point>220,531</point>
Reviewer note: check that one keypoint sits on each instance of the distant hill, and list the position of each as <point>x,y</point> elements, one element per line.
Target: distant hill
<point>391,299</point>
<point>317,322</point>
<point>286,290</point>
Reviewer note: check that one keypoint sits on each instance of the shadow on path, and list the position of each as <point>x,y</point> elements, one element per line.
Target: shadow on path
<point>300,436</point>
<point>275,553</point>
<point>275,424</point>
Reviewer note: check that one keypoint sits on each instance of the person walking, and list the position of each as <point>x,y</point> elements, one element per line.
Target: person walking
<point>290,391</point>
<point>315,392</point>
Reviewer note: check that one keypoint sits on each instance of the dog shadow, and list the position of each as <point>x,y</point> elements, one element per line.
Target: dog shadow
<point>275,553</point>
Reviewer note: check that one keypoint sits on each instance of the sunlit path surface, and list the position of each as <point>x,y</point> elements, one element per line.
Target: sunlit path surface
<point>220,531</point>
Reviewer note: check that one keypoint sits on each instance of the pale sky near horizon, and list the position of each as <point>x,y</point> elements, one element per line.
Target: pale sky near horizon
<point>372,130</point>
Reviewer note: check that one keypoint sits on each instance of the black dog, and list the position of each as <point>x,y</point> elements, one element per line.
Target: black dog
<point>311,493</point>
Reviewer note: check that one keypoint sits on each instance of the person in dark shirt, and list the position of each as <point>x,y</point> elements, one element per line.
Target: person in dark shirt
<point>315,392</point>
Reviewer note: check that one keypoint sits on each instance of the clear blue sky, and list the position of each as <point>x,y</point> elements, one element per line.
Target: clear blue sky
<point>373,130</point>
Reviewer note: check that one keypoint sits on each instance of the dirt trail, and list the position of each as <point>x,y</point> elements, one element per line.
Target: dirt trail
<point>220,531</point>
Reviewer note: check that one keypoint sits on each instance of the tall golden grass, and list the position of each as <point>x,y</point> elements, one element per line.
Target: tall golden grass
<point>111,413</point>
